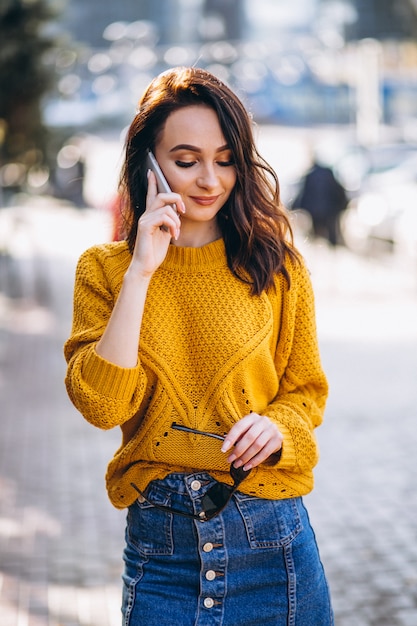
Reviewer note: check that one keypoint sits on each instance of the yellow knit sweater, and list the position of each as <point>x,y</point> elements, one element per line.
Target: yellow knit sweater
<point>209,354</point>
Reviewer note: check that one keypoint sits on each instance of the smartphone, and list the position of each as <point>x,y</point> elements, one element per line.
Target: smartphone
<point>152,164</point>
<point>161,182</point>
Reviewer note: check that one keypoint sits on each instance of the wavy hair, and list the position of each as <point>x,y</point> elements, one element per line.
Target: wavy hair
<point>254,223</point>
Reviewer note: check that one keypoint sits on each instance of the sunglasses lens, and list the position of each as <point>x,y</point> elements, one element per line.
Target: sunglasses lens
<point>216,498</point>
<point>219,494</point>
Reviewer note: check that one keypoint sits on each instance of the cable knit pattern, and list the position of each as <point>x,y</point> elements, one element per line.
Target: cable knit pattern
<point>209,354</point>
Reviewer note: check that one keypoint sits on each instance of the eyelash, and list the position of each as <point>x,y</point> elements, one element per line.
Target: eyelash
<point>186,164</point>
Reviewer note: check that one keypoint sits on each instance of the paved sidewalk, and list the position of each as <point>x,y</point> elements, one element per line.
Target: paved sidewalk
<point>61,540</point>
<point>364,506</point>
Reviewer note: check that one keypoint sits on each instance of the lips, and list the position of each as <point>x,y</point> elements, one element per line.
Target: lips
<point>205,200</point>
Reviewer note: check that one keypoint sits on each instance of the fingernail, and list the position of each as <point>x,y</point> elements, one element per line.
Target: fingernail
<point>226,446</point>
<point>247,467</point>
<point>148,173</point>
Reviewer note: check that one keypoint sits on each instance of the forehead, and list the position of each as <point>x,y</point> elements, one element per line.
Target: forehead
<point>195,125</point>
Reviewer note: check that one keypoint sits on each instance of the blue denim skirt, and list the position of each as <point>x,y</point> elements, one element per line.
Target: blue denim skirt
<point>255,563</point>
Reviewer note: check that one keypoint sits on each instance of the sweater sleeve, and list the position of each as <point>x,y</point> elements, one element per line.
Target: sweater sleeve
<point>105,394</point>
<point>299,405</point>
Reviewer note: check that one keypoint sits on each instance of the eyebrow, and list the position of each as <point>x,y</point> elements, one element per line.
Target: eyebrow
<point>186,146</point>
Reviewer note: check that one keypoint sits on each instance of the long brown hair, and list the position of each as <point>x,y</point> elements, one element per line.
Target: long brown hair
<point>253,222</point>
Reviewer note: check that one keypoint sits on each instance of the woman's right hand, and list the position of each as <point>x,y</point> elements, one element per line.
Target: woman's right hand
<point>156,227</point>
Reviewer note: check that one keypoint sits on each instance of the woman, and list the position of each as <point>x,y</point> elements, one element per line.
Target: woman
<point>197,337</point>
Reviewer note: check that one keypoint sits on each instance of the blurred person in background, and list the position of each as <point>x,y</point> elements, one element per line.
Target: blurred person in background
<point>324,198</point>
<point>69,174</point>
<point>196,336</point>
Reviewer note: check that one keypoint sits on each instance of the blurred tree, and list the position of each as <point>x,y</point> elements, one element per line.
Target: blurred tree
<point>24,79</point>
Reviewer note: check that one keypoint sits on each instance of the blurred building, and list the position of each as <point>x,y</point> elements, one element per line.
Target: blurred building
<point>299,62</point>
<point>378,19</point>
<point>383,19</point>
<point>86,21</point>
<point>178,21</point>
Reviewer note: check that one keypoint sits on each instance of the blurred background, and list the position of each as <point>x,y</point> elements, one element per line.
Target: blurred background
<point>338,78</point>
<point>332,89</point>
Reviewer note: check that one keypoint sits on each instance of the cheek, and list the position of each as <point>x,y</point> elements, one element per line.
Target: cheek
<point>178,180</point>
<point>230,180</point>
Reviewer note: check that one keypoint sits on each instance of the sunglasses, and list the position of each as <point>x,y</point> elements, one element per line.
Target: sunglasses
<point>217,497</point>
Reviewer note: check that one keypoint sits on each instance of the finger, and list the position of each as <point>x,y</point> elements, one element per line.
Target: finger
<point>236,432</point>
<point>171,226</point>
<point>256,460</point>
<point>167,223</point>
<point>174,200</point>
<point>163,218</point>
<point>152,188</point>
<point>254,438</point>
<point>260,439</point>
<point>250,445</point>
<point>262,449</point>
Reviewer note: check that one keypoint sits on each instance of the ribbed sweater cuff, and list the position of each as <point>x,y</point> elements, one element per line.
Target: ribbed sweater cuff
<point>287,459</point>
<point>109,379</point>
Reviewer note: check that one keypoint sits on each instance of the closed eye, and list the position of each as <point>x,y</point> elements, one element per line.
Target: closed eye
<point>226,163</point>
<point>184,163</point>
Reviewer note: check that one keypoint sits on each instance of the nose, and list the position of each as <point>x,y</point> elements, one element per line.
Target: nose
<point>207,178</point>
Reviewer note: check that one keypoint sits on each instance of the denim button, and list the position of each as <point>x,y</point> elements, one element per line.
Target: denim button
<point>195,485</point>
<point>208,547</point>
<point>208,603</point>
<point>210,575</point>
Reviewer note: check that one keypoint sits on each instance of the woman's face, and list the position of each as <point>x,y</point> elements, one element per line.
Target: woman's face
<point>197,162</point>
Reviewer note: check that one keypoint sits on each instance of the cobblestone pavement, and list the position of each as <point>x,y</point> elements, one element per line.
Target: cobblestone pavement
<point>61,540</point>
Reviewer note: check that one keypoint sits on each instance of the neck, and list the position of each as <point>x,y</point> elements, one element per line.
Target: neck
<point>191,237</point>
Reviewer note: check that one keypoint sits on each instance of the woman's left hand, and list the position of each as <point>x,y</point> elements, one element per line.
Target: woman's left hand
<point>255,438</point>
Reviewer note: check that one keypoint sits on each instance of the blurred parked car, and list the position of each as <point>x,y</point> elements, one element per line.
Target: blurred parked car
<point>382,212</point>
